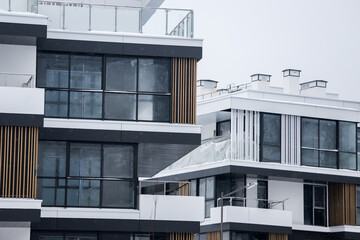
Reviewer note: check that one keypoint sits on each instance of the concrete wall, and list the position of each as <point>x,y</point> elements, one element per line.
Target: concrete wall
<point>280,190</point>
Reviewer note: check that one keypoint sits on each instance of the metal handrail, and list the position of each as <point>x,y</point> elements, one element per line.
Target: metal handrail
<point>270,203</point>
<point>164,185</point>
<point>225,91</point>
<point>112,5</point>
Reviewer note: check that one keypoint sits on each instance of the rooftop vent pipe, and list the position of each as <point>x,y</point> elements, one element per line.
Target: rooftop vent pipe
<point>291,81</point>
<point>260,81</point>
<point>315,88</point>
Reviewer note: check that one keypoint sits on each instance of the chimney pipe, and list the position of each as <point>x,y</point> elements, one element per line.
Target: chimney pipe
<point>291,81</point>
<point>315,88</point>
<point>205,86</point>
<point>260,81</point>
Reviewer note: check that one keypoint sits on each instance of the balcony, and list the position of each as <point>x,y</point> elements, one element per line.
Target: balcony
<point>20,95</point>
<point>86,16</point>
<point>256,212</point>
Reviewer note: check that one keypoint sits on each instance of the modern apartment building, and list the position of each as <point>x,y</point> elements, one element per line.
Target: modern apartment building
<point>285,158</point>
<point>95,97</point>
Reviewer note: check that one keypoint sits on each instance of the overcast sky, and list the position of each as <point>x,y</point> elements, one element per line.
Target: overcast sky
<point>242,37</point>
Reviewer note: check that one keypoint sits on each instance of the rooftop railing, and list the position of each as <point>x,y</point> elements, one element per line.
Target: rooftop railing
<point>86,16</point>
<point>225,91</point>
<point>16,80</point>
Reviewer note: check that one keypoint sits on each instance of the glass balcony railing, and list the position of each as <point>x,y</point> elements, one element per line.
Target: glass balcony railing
<point>80,16</point>
<point>16,80</point>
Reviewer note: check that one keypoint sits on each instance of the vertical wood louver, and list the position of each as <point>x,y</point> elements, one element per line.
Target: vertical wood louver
<point>278,236</point>
<point>184,189</point>
<point>18,161</point>
<point>184,90</point>
<point>182,236</point>
<point>213,236</point>
<point>342,204</point>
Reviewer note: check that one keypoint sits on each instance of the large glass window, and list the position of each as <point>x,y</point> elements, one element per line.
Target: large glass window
<point>102,87</point>
<point>207,190</point>
<point>227,183</point>
<point>223,128</point>
<point>330,144</point>
<point>86,174</point>
<point>270,138</point>
<point>315,205</point>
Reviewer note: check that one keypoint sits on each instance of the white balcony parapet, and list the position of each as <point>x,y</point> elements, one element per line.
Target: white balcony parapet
<point>249,215</point>
<point>20,100</point>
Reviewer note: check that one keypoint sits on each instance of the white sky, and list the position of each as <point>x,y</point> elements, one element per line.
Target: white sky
<point>242,37</point>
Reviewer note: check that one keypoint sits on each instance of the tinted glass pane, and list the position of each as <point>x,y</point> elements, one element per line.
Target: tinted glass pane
<point>358,216</point>
<point>328,159</point>
<point>193,188</point>
<point>120,106</point>
<point>222,185</point>
<point>118,161</point>
<point>203,236</point>
<point>309,132</point>
<point>238,181</point>
<point>358,196</point>
<point>224,128</point>
<point>202,186</point>
<point>85,105</point>
<point>85,159</point>
<point>319,216</point>
<point>262,194</point>
<point>154,108</point>
<point>347,136</point>
<point>154,75</point>
<point>308,204</point>
<point>52,70</point>
<point>51,191</point>
<point>85,72</point>
<point>319,197</point>
<point>208,204</point>
<point>118,194</point>
<point>84,193</point>
<point>259,236</point>
<point>115,236</point>
<point>56,103</point>
<point>210,188</point>
<point>240,236</point>
<point>52,159</point>
<point>309,157</point>
<point>271,154</point>
<point>121,74</point>
<point>271,130</point>
<point>358,139</point>
<point>327,134</point>
<point>347,161</point>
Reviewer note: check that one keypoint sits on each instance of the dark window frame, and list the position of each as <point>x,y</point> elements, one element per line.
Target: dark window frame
<point>319,149</point>
<point>313,207</point>
<point>101,178</point>
<point>103,90</point>
<point>262,136</point>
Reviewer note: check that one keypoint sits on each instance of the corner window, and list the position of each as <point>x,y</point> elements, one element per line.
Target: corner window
<point>327,143</point>
<point>270,140</point>
<point>104,87</point>
<point>315,205</point>
<point>80,174</point>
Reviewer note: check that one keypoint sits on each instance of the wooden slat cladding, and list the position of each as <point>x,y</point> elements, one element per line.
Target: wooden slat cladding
<point>342,204</point>
<point>18,161</point>
<point>184,189</point>
<point>182,236</point>
<point>213,236</point>
<point>278,236</point>
<point>184,90</point>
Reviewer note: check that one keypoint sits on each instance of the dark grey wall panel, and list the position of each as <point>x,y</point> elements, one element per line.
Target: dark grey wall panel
<point>19,29</point>
<point>131,49</point>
